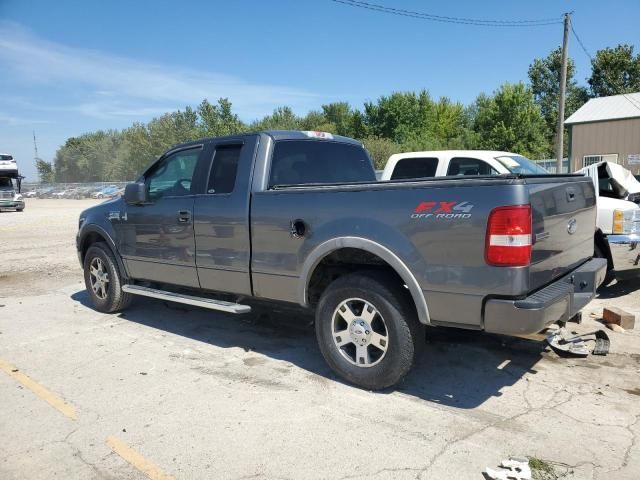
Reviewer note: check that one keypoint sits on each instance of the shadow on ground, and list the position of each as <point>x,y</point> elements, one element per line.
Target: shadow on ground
<point>619,289</point>
<point>458,368</point>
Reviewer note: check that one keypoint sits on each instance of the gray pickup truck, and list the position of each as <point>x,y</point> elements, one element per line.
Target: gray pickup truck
<point>298,217</point>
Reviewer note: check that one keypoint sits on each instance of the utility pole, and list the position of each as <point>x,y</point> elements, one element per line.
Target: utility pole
<point>563,93</point>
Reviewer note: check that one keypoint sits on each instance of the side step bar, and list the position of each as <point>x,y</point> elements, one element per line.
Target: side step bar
<point>187,299</point>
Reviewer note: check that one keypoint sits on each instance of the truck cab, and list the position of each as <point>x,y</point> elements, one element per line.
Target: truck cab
<point>10,196</point>
<point>444,163</point>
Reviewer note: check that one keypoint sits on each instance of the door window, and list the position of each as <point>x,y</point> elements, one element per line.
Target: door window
<point>171,176</point>
<point>470,167</point>
<point>224,170</point>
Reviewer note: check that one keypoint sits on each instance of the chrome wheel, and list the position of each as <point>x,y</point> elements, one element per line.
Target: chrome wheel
<point>359,332</point>
<point>99,278</point>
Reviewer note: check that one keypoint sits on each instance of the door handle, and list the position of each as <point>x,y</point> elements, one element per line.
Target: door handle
<point>184,216</point>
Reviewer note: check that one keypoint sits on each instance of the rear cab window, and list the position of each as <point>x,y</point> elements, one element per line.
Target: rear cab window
<point>303,162</point>
<point>469,167</point>
<point>415,168</point>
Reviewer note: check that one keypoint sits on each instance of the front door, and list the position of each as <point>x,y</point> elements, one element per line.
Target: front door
<point>158,241</point>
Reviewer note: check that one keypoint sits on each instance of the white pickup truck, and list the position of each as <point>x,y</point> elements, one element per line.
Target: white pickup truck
<point>618,217</point>
<point>617,235</point>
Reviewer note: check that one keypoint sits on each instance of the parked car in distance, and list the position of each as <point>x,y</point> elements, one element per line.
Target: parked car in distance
<point>8,165</point>
<point>45,192</point>
<point>298,217</point>
<point>104,192</point>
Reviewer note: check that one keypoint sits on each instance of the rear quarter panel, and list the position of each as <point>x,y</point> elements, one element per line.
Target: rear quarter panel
<point>443,247</point>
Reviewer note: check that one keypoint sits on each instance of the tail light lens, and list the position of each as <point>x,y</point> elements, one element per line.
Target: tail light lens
<point>508,241</point>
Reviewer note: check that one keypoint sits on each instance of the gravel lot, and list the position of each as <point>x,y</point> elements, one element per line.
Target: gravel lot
<point>164,391</point>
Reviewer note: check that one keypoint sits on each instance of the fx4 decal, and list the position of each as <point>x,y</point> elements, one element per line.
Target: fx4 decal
<point>442,210</point>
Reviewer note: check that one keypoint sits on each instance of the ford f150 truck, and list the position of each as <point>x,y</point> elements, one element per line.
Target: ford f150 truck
<point>298,217</point>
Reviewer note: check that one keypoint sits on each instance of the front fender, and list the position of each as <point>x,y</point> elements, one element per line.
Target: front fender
<point>105,232</point>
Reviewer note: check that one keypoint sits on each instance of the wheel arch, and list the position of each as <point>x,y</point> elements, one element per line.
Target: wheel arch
<point>600,241</point>
<point>390,259</point>
<point>93,233</point>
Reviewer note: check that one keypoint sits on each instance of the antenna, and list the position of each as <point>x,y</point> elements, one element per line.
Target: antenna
<point>35,145</point>
<point>36,158</point>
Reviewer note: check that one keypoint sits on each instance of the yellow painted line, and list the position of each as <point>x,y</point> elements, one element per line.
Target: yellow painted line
<point>51,398</point>
<point>138,461</point>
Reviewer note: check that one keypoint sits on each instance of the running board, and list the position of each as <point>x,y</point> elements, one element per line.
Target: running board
<point>219,305</point>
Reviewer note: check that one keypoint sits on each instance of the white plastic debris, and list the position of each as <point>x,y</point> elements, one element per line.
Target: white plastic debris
<point>512,469</point>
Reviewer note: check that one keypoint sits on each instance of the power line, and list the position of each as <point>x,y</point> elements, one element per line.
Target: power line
<point>584,49</point>
<point>446,19</point>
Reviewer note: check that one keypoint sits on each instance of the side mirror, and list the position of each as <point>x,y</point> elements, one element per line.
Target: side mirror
<point>135,193</point>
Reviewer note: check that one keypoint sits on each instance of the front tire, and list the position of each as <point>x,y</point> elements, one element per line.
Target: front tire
<point>103,280</point>
<point>367,330</point>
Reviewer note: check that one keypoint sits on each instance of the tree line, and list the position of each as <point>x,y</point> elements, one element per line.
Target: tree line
<point>515,117</point>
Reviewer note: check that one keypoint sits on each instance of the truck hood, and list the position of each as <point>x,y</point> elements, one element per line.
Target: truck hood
<point>622,177</point>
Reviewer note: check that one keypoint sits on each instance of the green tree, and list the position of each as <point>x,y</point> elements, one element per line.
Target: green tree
<point>380,149</point>
<point>218,120</point>
<point>615,71</point>
<point>282,118</point>
<point>45,171</point>
<point>510,120</point>
<point>544,75</point>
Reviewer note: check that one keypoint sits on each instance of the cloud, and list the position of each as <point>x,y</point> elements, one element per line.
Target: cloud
<point>13,120</point>
<point>116,81</point>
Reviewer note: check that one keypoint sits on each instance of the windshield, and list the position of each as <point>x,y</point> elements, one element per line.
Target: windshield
<point>520,164</point>
<point>5,183</point>
<point>5,157</point>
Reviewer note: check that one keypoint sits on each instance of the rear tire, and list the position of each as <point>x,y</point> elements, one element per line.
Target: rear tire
<point>104,280</point>
<point>610,275</point>
<point>381,336</point>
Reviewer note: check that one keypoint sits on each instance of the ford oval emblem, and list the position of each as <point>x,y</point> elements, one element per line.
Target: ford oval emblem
<point>572,226</point>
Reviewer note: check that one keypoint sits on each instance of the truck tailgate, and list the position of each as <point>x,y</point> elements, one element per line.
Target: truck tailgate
<point>563,212</point>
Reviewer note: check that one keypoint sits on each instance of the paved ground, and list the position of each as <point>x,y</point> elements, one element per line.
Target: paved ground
<point>164,391</point>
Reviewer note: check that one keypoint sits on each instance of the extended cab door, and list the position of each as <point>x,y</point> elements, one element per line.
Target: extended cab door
<point>157,239</point>
<point>222,216</point>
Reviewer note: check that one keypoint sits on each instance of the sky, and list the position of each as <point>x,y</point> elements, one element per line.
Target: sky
<point>71,67</point>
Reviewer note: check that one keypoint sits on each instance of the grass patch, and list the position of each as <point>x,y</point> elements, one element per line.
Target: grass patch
<point>542,470</point>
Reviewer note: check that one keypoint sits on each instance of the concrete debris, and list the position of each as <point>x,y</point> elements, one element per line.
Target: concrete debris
<point>512,469</point>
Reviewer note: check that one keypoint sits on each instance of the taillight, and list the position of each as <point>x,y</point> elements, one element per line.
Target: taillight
<point>508,242</point>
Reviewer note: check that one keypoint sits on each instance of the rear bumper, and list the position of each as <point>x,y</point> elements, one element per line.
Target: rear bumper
<point>558,301</point>
<point>625,252</point>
